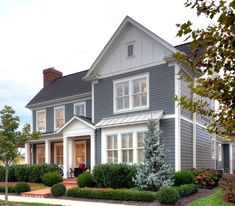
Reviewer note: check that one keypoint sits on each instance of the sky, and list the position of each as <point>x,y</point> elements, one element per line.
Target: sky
<point>69,35</point>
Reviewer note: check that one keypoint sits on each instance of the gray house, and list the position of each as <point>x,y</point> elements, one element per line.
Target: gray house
<point>99,115</point>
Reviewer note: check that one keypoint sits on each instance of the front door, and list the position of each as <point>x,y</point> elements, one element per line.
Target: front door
<point>80,152</point>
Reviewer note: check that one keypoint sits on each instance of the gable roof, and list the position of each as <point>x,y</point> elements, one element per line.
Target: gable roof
<point>62,87</point>
<point>127,20</point>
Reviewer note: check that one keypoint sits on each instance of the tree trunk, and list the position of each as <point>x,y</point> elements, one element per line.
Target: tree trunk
<point>6,183</point>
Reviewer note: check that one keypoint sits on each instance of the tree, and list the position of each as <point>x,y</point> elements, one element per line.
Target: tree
<point>11,139</point>
<point>213,58</point>
<point>154,173</point>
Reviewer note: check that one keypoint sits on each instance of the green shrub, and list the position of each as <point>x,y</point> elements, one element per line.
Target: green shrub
<point>114,175</point>
<point>22,187</point>
<point>58,190</point>
<point>113,194</point>
<point>168,195</point>
<point>11,189</point>
<point>185,190</point>
<point>2,173</point>
<point>85,180</point>
<point>227,183</point>
<point>207,178</point>
<point>183,177</point>
<point>51,178</point>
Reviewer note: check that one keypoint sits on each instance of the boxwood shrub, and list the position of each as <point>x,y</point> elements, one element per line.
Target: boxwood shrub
<point>51,178</point>
<point>22,187</point>
<point>11,189</point>
<point>168,195</point>
<point>185,190</point>
<point>183,177</point>
<point>58,190</point>
<point>85,180</point>
<point>112,175</point>
<point>113,194</point>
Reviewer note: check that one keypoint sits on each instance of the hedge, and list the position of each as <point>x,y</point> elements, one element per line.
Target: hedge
<point>183,177</point>
<point>113,194</point>
<point>185,190</point>
<point>27,173</point>
<point>11,189</point>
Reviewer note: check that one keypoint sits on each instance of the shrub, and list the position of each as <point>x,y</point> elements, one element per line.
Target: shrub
<point>227,184</point>
<point>51,178</point>
<point>113,194</point>
<point>2,173</point>
<point>85,180</point>
<point>58,190</point>
<point>168,195</point>
<point>22,187</point>
<point>183,177</point>
<point>114,175</point>
<point>11,189</point>
<point>185,190</point>
<point>207,178</point>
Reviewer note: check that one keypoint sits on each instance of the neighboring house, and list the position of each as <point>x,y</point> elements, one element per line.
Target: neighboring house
<point>100,115</point>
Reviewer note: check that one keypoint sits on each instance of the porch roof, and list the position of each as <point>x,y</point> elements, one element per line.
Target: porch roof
<point>137,118</point>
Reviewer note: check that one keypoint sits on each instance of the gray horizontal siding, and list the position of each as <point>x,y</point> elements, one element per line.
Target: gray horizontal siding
<point>161,89</point>
<point>88,108</point>
<point>168,128</point>
<point>98,146</point>
<point>203,151</point>
<point>186,145</point>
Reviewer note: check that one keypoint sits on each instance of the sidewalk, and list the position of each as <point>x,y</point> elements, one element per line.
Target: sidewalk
<point>57,201</point>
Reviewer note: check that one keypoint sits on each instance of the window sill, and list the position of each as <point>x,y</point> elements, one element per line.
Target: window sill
<point>131,110</point>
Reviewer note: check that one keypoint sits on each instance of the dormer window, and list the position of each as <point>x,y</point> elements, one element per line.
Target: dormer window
<point>130,49</point>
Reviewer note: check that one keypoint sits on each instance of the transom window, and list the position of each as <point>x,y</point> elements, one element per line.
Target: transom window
<point>127,147</point>
<point>80,109</point>
<point>41,121</point>
<point>112,148</point>
<point>59,117</point>
<point>131,94</point>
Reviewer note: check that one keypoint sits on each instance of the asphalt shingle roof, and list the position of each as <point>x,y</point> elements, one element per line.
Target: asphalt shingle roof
<point>65,86</point>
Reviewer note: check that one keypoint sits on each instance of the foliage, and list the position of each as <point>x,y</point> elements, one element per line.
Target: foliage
<point>51,178</point>
<point>168,195</point>
<point>183,177</point>
<point>27,173</point>
<point>227,183</point>
<point>185,190</point>
<point>212,200</point>
<point>85,180</point>
<point>154,173</point>
<point>213,58</point>
<point>113,194</point>
<point>207,178</point>
<point>11,139</point>
<point>22,187</point>
<point>58,190</point>
<point>114,175</point>
<point>11,189</point>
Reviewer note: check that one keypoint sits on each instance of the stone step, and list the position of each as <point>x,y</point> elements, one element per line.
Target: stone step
<point>41,193</point>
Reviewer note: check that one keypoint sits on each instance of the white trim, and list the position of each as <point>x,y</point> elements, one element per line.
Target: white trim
<point>27,153</point>
<point>130,84</point>
<point>230,158</point>
<point>219,152</point>
<point>47,152</point>
<point>177,121</point>
<point>65,157</point>
<point>186,119</point>
<point>168,116</point>
<point>92,150</point>
<point>56,108</point>
<point>93,102</point>
<point>194,133</point>
<point>39,111</point>
<point>78,104</point>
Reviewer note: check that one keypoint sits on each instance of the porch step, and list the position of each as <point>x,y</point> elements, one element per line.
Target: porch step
<point>42,193</point>
<point>70,181</point>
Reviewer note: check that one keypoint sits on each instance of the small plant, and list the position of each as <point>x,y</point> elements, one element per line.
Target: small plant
<point>85,180</point>
<point>22,187</point>
<point>168,195</point>
<point>227,183</point>
<point>183,177</point>
<point>51,178</point>
<point>58,190</point>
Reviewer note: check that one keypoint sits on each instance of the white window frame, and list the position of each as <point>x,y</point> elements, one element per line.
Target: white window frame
<point>55,108</point>
<point>219,152</point>
<point>111,150</point>
<point>128,44</point>
<point>137,147</point>
<point>78,104</point>
<point>213,146</point>
<point>55,153</point>
<point>130,83</point>
<point>37,129</point>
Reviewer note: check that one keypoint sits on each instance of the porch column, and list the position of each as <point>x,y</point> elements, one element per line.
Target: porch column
<point>27,153</point>
<point>47,152</point>
<point>65,156</point>
<point>230,158</point>
<point>70,153</point>
<point>92,150</point>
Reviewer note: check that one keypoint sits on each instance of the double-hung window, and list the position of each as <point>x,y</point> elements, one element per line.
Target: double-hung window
<point>41,121</point>
<point>80,109</point>
<point>127,147</point>
<point>112,148</point>
<point>131,94</point>
<point>140,145</point>
<point>59,117</point>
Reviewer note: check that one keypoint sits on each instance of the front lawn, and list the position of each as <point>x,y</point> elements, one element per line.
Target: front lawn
<point>25,204</point>
<point>212,200</point>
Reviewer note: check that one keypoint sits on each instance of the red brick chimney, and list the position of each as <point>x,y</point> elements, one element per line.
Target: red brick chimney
<point>50,74</point>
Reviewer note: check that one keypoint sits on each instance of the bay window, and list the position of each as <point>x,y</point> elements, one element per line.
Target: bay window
<point>41,121</point>
<point>59,117</point>
<point>112,148</point>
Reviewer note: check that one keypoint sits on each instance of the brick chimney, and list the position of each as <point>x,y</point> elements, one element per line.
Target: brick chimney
<point>50,74</point>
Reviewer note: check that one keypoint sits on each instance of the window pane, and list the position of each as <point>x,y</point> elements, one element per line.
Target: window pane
<point>126,89</point>
<point>126,102</point>
<point>41,121</point>
<point>140,155</point>
<point>115,142</point>
<point>124,156</point>
<point>140,139</point>
<point>130,50</point>
<point>136,86</point>
<point>119,90</point>
<point>80,110</point>
<point>124,141</point>
<point>109,142</point>
<point>130,156</point>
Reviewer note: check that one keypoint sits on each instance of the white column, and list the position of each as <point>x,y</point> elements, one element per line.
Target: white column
<point>47,151</point>
<point>92,150</point>
<point>65,156</point>
<point>27,153</point>
<point>231,158</point>
<point>194,133</point>
<point>70,153</point>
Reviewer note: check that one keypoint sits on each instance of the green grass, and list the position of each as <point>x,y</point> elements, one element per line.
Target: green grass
<point>37,186</point>
<point>212,200</point>
<point>25,204</point>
